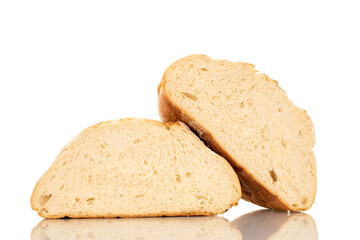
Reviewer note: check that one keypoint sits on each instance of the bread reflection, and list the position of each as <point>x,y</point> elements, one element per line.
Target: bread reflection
<point>267,224</point>
<point>136,228</point>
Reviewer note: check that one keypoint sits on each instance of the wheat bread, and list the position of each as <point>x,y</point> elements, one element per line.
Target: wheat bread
<point>248,119</point>
<point>267,224</point>
<point>171,228</point>
<point>136,168</point>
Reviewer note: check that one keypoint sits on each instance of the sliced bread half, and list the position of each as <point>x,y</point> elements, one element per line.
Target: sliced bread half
<point>248,119</point>
<point>136,168</point>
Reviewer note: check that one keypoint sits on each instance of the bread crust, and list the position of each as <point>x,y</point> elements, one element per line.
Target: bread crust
<point>252,190</point>
<point>133,216</point>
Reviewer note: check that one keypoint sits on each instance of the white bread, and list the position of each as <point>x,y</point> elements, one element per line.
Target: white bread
<point>136,168</point>
<point>248,119</point>
<point>266,224</point>
<point>172,228</point>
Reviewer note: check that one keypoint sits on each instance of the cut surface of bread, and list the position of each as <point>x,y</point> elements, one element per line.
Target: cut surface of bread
<point>248,119</point>
<point>266,224</point>
<point>171,228</point>
<point>136,168</point>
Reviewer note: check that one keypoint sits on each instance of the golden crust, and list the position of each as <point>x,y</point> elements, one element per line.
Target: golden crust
<point>252,190</point>
<point>134,216</point>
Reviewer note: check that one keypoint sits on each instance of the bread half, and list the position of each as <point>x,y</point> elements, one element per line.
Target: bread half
<point>172,228</point>
<point>136,168</point>
<point>267,224</point>
<point>248,119</point>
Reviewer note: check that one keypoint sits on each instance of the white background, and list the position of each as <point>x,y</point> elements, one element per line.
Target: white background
<point>65,65</point>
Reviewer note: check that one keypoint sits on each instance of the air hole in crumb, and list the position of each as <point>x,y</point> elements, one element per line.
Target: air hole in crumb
<point>90,201</point>
<point>204,69</point>
<point>279,110</point>
<point>190,96</point>
<point>44,199</point>
<point>167,127</point>
<point>86,156</point>
<point>273,175</point>
<point>62,187</point>
<point>188,174</point>
<point>155,172</point>
<point>146,162</point>
<point>200,196</point>
<point>283,143</point>
<point>304,201</point>
<point>139,196</point>
<point>64,163</point>
<point>137,141</point>
<point>77,199</point>
<point>44,210</point>
<point>178,178</point>
<point>300,134</point>
<point>295,205</point>
<point>262,147</point>
<point>234,187</point>
<point>242,104</point>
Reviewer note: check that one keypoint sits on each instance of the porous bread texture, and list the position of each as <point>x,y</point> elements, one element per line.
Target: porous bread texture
<point>136,168</point>
<point>247,118</point>
<point>172,228</point>
<point>266,224</point>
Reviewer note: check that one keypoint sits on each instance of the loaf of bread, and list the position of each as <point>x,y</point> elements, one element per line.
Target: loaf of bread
<point>267,224</point>
<point>136,168</point>
<point>248,119</point>
<point>174,228</point>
